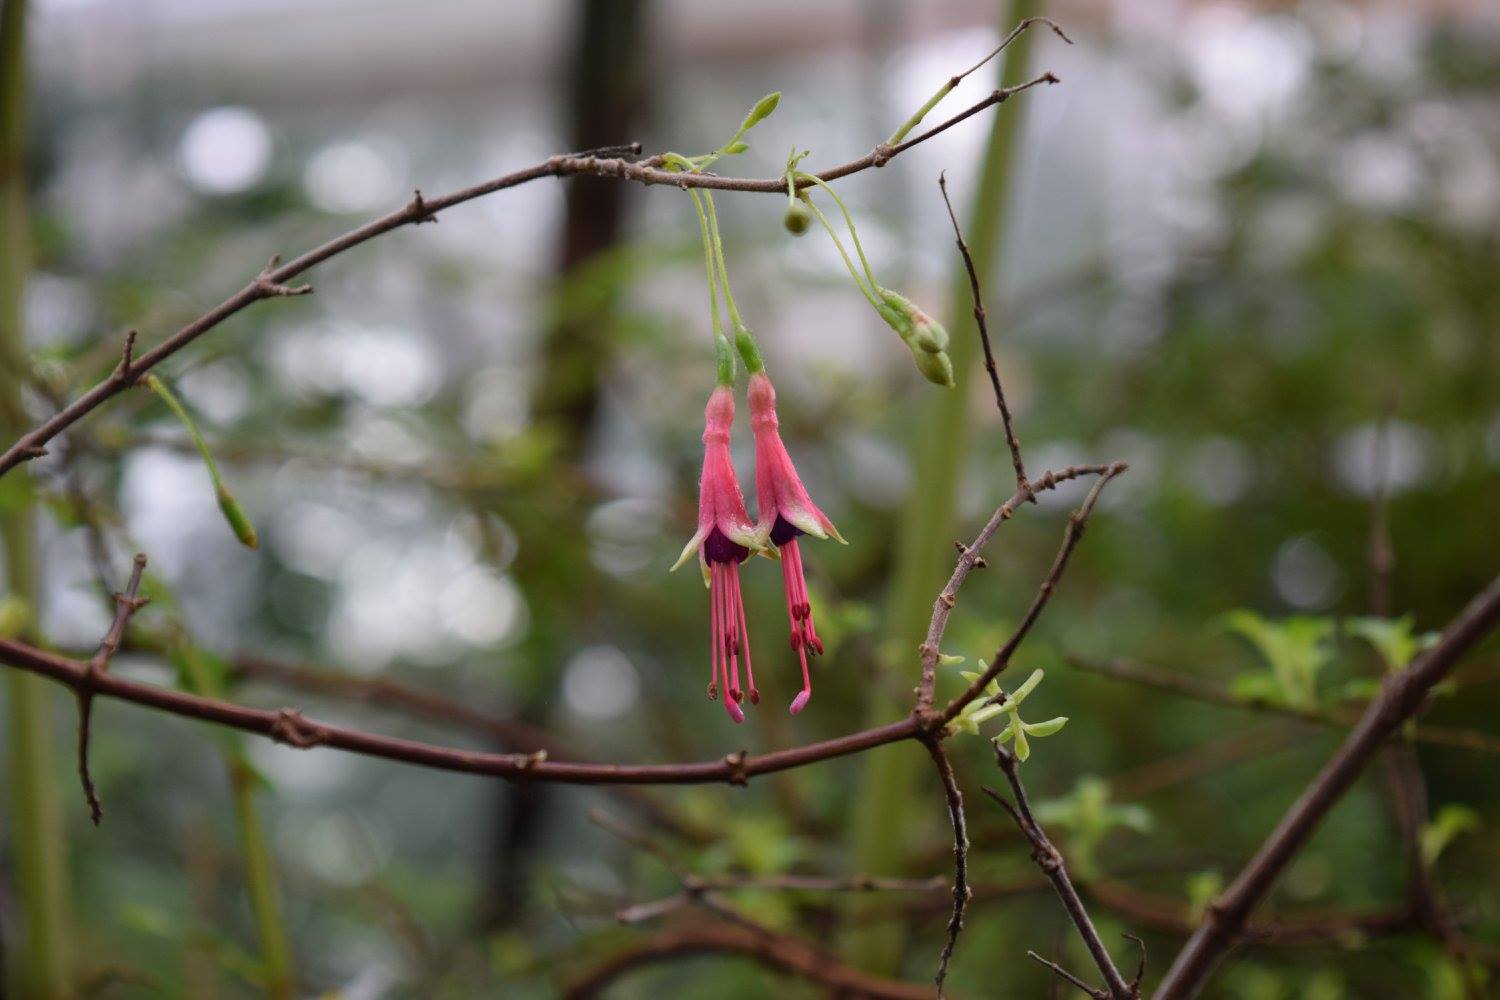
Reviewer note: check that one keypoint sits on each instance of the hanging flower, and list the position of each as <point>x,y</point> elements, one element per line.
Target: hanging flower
<point>724,539</point>
<point>786,512</point>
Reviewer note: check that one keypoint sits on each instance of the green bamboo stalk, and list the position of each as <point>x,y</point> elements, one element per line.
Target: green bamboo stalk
<point>925,547</point>
<point>42,961</point>
<point>261,882</point>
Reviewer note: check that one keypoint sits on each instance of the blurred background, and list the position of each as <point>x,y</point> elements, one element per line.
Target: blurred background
<point>1251,249</point>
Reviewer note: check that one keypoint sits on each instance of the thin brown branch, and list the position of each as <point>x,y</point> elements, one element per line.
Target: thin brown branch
<point>980,321</point>
<point>1050,860</point>
<point>1401,697</point>
<point>774,951</point>
<point>287,726</point>
<point>1170,915</point>
<point>1189,686</point>
<point>127,603</point>
<point>970,559</point>
<point>273,280</point>
<point>508,734</point>
<point>1068,977</point>
<point>1076,524</point>
<point>961,891</point>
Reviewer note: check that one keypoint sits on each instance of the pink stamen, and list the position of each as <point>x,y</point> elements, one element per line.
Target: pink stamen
<point>720,575</point>
<point>714,642</point>
<point>739,601</point>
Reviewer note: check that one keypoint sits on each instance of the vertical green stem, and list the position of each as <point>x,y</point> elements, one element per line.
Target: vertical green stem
<point>260,880</point>
<point>924,550</point>
<point>37,834</point>
<point>261,883</point>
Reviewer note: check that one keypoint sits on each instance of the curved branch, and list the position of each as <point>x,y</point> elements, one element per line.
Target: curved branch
<point>771,950</point>
<point>272,282</point>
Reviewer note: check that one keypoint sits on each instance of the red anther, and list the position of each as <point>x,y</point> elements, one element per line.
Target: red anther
<point>754,696</point>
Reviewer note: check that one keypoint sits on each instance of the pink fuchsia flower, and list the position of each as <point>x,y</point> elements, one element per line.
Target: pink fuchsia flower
<point>724,539</point>
<point>786,512</point>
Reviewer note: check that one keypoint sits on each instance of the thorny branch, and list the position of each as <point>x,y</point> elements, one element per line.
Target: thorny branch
<point>126,604</point>
<point>961,891</point>
<point>1076,523</point>
<point>1050,860</point>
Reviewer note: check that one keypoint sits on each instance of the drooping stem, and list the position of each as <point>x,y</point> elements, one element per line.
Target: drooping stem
<point>848,221</point>
<point>859,281</point>
<point>37,830</point>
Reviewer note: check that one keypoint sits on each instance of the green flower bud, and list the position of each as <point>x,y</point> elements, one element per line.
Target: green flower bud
<point>735,148</point>
<point>797,218</point>
<point>761,111</point>
<point>937,368</point>
<point>745,343</point>
<point>238,520</point>
<point>723,360</point>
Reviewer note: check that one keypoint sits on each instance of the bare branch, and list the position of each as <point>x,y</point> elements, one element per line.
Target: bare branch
<point>1050,860</point>
<point>1076,523</point>
<point>984,339</point>
<point>1402,696</point>
<point>273,280</point>
<point>126,604</point>
<point>1068,977</point>
<point>961,891</point>
<point>969,559</point>
<point>775,951</point>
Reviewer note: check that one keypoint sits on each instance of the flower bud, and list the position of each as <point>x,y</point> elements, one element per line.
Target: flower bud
<point>238,520</point>
<point>797,218</point>
<point>937,368</point>
<point>761,111</point>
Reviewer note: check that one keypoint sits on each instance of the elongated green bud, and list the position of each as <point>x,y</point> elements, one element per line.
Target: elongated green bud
<point>762,110</point>
<point>724,360</point>
<point>937,368</point>
<point>239,521</point>
<point>735,148</point>
<point>745,343</point>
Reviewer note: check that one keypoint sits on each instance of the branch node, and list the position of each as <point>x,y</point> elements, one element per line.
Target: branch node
<point>124,372</point>
<point>87,684</point>
<point>736,764</point>
<point>267,287</point>
<point>418,210</point>
<point>295,730</point>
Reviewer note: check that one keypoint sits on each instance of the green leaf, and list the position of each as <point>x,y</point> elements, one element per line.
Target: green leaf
<point>1392,639</point>
<point>1025,689</point>
<point>1202,888</point>
<point>1295,649</point>
<point>1045,728</point>
<point>1450,822</point>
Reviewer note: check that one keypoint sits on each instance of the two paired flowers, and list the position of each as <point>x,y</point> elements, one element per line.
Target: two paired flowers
<point>726,537</point>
